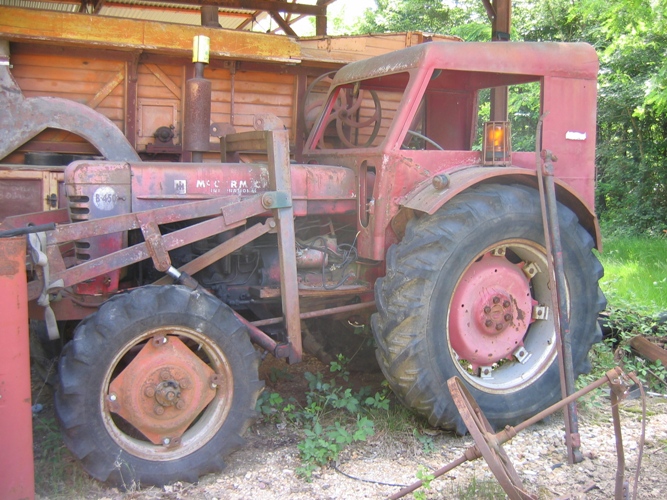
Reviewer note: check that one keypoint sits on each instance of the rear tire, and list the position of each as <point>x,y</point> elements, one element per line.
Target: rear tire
<point>459,299</point>
<point>158,385</point>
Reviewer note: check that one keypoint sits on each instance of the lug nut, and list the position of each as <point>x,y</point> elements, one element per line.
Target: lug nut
<point>488,323</point>
<point>164,374</point>
<point>508,317</point>
<point>180,404</point>
<point>149,392</point>
<point>184,383</point>
<point>496,300</point>
<point>487,309</point>
<point>159,410</point>
<point>506,304</point>
<point>499,326</point>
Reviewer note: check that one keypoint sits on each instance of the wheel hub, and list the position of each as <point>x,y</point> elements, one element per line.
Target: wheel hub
<point>490,311</point>
<point>163,390</point>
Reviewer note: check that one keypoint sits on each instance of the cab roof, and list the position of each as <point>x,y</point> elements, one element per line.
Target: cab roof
<point>566,60</point>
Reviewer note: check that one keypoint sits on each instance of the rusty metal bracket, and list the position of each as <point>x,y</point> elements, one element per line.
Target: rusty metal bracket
<point>489,445</point>
<point>276,199</point>
<point>154,243</point>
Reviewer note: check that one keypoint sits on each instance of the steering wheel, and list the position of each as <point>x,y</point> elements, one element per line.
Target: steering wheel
<point>427,139</point>
<point>344,112</point>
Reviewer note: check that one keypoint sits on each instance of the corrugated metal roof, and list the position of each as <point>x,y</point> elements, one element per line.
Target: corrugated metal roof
<point>141,9</point>
<point>30,4</point>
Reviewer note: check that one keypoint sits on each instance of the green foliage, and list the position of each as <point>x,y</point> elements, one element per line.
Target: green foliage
<point>425,476</point>
<point>477,489</point>
<point>624,324</point>
<point>403,15</point>
<point>333,417</point>
<point>426,442</point>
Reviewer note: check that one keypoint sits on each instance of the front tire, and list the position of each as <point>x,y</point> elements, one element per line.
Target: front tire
<point>158,385</point>
<point>467,294</point>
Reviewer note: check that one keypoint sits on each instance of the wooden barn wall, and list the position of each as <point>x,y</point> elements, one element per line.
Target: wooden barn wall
<point>101,84</point>
<point>98,83</point>
<point>255,92</point>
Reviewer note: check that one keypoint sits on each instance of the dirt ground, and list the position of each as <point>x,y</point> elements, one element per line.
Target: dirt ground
<point>266,467</point>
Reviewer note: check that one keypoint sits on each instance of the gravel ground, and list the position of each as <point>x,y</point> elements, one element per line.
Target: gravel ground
<point>266,467</point>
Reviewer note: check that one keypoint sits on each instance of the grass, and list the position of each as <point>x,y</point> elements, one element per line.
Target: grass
<point>635,284</point>
<point>57,473</point>
<point>635,273</point>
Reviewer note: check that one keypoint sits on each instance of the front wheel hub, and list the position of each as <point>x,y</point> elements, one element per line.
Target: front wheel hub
<point>162,391</point>
<point>490,311</point>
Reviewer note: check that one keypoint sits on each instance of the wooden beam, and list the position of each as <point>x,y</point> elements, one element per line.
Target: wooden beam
<point>284,25</point>
<point>321,20</point>
<point>648,350</point>
<point>264,5</point>
<point>18,24</point>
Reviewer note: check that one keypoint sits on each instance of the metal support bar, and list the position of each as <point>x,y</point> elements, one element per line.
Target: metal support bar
<point>552,241</point>
<point>222,250</point>
<point>264,341</point>
<point>136,253</point>
<point>232,208</point>
<point>319,313</point>
<point>562,312</point>
<point>277,142</point>
<point>16,460</point>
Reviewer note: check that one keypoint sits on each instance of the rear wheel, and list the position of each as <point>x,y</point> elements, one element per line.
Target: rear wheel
<point>467,294</point>
<point>158,385</point>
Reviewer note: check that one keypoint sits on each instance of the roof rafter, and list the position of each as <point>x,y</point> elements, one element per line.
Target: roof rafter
<point>264,5</point>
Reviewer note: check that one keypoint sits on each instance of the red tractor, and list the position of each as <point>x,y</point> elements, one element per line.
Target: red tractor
<point>401,193</point>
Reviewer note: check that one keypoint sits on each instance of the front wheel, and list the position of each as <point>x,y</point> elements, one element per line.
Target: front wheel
<point>158,385</point>
<point>467,294</point>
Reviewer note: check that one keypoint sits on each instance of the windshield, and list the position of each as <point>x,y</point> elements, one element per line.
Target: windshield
<point>358,114</point>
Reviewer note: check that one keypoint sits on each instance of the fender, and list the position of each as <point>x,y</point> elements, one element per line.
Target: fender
<point>428,198</point>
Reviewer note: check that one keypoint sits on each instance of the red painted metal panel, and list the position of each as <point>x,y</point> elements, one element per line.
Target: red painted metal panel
<point>16,459</point>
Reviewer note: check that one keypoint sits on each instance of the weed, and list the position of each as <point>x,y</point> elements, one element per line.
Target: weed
<point>623,325</point>
<point>333,416</point>
<point>278,374</point>
<point>425,476</point>
<point>426,442</point>
<point>476,489</point>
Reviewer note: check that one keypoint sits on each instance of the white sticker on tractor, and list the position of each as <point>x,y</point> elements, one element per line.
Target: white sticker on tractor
<point>180,186</point>
<point>105,198</point>
<point>575,136</point>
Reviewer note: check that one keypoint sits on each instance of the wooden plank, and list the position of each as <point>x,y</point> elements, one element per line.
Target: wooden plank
<point>164,79</point>
<point>17,24</point>
<point>24,71</point>
<point>174,71</point>
<point>106,90</point>
<point>649,350</point>
<point>92,63</point>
